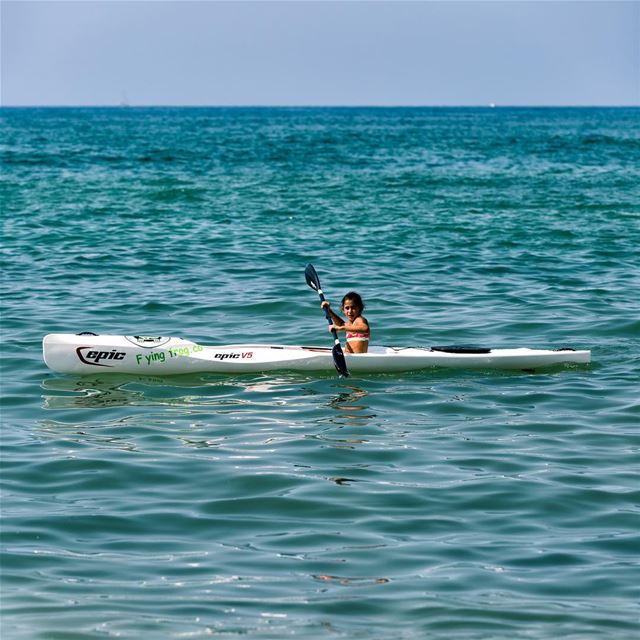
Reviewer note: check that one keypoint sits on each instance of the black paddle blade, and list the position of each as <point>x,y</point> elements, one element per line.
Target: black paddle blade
<point>312,277</point>
<point>339,360</point>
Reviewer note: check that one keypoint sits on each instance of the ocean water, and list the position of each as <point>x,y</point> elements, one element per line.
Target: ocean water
<point>439,504</point>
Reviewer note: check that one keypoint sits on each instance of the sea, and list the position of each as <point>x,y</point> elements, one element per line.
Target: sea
<point>439,504</point>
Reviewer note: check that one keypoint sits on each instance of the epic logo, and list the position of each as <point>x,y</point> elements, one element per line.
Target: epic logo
<point>93,356</point>
<point>226,356</point>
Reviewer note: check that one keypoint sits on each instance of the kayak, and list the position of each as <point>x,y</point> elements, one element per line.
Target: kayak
<point>88,353</point>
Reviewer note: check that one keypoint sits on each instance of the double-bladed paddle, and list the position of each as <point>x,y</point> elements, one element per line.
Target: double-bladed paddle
<point>338,356</point>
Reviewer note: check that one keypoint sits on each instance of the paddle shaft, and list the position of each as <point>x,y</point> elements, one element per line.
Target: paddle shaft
<point>327,315</point>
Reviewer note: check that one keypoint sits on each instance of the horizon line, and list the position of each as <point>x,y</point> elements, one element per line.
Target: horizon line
<point>321,106</point>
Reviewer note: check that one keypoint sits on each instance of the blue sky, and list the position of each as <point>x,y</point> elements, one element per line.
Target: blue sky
<point>321,52</point>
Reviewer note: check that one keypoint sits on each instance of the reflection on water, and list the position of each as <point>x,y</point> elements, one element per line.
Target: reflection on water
<point>348,410</point>
<point>350,406</point>
<point>351,582</point>
<point>120,390</point>
<point>243,414</point>
<point>92,393</point>
<point>345,400</point>
<point>343,481</point>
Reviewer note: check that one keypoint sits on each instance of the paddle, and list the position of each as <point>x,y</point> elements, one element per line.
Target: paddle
<point>338,356</point>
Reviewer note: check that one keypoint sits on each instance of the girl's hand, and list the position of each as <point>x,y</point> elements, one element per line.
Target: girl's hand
<point>325,303</point>
<point>334,327</point>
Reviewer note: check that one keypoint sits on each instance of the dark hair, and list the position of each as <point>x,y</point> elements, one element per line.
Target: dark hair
<point>355,297</point>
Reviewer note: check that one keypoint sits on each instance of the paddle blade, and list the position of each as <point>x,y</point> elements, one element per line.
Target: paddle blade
<point>339,360</point>
<point>312,277</point>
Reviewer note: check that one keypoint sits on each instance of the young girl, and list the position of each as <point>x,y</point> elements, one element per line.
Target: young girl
<point>356,325</point>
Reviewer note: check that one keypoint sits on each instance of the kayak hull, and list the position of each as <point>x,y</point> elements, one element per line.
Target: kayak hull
<point>85,354</point>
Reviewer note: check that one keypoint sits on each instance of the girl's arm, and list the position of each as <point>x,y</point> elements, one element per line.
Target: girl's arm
<point>337,320</point>
<point>359,325</point>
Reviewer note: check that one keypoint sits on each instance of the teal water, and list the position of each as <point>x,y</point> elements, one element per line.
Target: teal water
<point>457,505</point>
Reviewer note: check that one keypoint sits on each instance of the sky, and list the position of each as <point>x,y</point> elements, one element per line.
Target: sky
<point>322,52</point>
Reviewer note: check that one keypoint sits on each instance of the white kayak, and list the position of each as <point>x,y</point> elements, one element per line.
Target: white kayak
<point>87,353</point>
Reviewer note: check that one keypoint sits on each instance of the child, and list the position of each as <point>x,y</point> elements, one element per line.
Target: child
<point>356,326</point>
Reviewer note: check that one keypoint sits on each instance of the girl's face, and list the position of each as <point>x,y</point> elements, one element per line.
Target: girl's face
<point>351,309</point>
